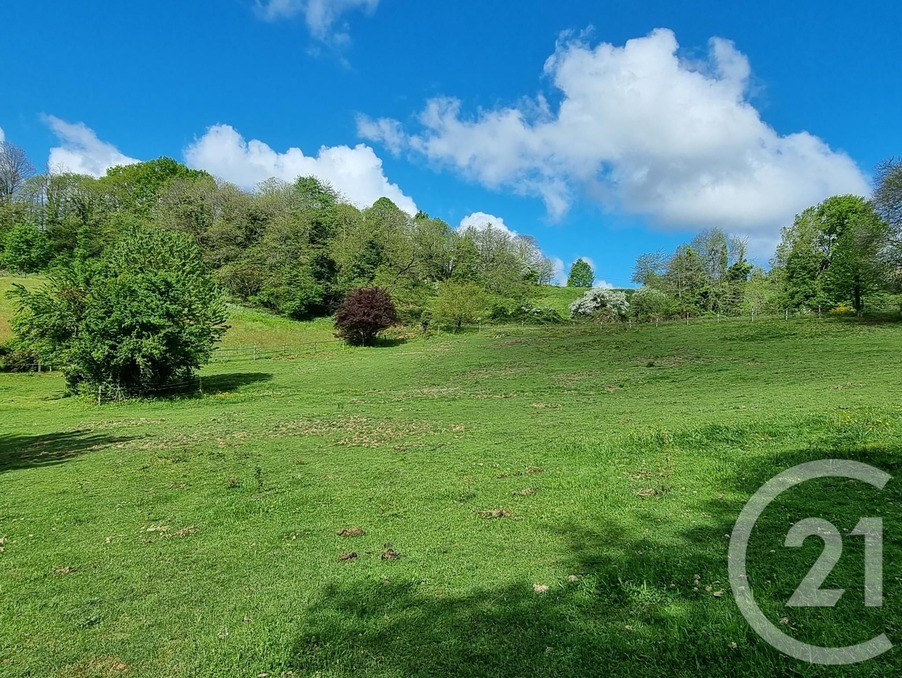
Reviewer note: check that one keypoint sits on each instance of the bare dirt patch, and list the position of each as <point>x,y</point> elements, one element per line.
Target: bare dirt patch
<point>492,514</point>
<point>351,532</point>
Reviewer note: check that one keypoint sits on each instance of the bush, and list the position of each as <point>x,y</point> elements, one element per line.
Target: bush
<point>648,303</point>
<point>602,304</point>
<point>363,314</point>
<point>147,315</point>
<point>842,310</point>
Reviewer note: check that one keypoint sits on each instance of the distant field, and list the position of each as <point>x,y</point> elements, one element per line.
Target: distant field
<point>551,501</point>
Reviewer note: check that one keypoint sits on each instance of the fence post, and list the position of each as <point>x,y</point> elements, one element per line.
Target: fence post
<point>787,314</point>
<point>99,389</point>
<point>255,352</point>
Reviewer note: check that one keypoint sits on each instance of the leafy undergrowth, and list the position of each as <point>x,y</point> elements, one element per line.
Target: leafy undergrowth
<point>547,501</point>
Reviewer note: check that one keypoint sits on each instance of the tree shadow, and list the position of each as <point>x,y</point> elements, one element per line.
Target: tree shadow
<point>24,451</point>
<point>634,605</point>
<point>229,382</point>
<point>388,342</point>
<point>198,387</point>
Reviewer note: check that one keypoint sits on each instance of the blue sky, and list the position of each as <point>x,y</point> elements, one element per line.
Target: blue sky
<point>603,129</point>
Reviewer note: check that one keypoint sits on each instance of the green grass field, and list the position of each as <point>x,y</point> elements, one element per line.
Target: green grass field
<point>550,501</point>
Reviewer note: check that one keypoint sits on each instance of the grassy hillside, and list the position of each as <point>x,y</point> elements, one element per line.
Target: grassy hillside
<point>546,501</point>
<point>558,298</point>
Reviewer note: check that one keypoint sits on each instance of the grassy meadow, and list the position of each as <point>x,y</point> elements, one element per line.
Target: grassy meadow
<point>514,501</point>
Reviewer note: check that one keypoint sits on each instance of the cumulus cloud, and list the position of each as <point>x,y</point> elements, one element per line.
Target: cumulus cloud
<point>80,151</point>
<point>2,136</point>
<point>480,221</point>
<point>643,131</point>
<point>356,172</point>
<point>323,17</point>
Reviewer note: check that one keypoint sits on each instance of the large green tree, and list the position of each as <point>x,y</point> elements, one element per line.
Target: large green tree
<point>137,187</point>
<point>147,314</point>
<point>833,253</point>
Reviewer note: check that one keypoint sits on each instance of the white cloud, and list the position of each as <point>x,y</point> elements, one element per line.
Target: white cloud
<point>480,221</point>
<point>2,136</point>
<point>323,17</point>
<point>386,131</point>
<point>640,130</point>
<point>355,172</point>
<point>80,151</point>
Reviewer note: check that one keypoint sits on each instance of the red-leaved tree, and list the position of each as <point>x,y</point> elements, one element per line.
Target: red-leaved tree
<point>363,314</point>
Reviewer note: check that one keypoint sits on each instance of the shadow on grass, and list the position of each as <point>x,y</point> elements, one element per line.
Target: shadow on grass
<point>229,382</point>
<point>20,452</point>
<point>388,342</point>
<point>652,601</point>
<point>215,384</point>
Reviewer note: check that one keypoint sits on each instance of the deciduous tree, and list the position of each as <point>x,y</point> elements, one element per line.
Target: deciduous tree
<point>581,274</point>
<point>363,314</point>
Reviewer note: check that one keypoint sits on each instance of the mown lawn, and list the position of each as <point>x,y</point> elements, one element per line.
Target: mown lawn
<point>199,535</point>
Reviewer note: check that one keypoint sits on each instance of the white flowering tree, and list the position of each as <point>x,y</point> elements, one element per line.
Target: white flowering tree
<point>602,304</point>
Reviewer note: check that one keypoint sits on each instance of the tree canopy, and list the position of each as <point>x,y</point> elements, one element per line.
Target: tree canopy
<point>581,274</point>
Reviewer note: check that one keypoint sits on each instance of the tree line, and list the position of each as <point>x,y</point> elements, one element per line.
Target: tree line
<point>295,248</point>
<point>842,256</point>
